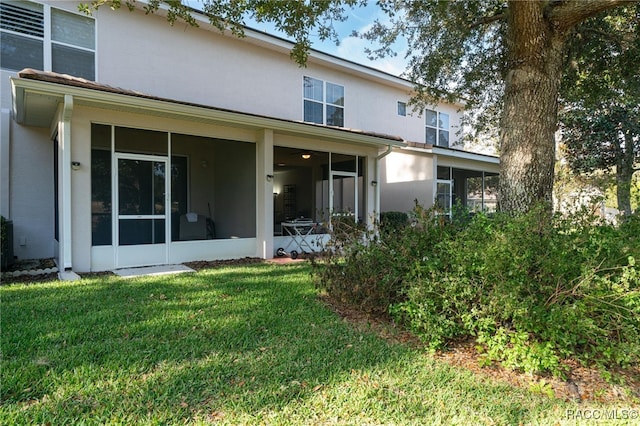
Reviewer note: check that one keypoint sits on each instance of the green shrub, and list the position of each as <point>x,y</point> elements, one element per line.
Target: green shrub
<point>393,222</point>
<point>366,268</point>
<point>552,287</point>
<point>357,271</point>
<point>531,290</point>
<point>6,251</point>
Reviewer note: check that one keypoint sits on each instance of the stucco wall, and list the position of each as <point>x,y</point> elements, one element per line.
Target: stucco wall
<point>202,66</point>
<point>31,181</point>
<point>146,54</point>
<point>405,177</point>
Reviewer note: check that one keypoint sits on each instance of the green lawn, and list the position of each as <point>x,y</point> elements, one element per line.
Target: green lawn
<point>234,345</point>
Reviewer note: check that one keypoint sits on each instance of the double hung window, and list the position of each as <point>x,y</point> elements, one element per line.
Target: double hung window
<point>437,128</point>
<point>46,38</point>
<point>323,102</point>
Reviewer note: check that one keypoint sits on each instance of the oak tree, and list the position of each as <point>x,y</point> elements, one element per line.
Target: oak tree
<point>480,50</point>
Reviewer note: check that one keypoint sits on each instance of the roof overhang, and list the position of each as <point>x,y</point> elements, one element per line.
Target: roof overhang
<point>464,155</point>
<point>37,94</point>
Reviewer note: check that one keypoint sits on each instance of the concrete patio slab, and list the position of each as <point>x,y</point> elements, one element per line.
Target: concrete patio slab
<point>68,276</point>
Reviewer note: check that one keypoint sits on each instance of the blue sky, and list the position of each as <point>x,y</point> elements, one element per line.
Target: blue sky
<point>351,48</point>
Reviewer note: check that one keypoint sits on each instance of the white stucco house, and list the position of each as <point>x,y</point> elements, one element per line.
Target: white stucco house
<point>127,142</point>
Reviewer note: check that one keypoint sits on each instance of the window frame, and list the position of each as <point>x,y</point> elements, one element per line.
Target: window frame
<point>437,127</point>
<point>324,103</point>
<point>402,108</point>
<point>49,43</point>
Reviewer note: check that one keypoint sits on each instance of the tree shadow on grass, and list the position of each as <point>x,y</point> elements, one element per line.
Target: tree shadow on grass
<point>246,341</point>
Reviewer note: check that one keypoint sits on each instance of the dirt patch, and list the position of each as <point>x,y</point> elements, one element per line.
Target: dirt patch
<point>583,384</point>
<point>31,264</point>
<point>22,279</point>
<point>208,264</point>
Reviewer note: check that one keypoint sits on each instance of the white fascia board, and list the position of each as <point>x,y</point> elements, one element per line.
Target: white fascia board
<point>465,155</point>
<point>17,96</point>
<point>181,111</point>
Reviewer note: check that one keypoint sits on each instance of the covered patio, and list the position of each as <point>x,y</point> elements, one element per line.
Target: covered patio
<point>143,181</point>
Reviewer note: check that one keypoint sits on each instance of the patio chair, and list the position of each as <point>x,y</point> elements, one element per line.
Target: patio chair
<point>193,226</point>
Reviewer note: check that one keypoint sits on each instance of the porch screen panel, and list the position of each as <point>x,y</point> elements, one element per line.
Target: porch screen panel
<point>474,197</point>
<point>140,141</point>
<point>491,192</point>
<point>101,212</point>
<point>344,189</point>
<point>179,192</point>
<point>235,189</point>
<point>141,190</point>
<point>141,231</point>
<point>443,196</point>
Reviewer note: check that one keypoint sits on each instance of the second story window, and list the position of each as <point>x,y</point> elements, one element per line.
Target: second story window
<point>437,130</point>
<point>323,102</point>
<point>38,36</point>
<point>402,109</point>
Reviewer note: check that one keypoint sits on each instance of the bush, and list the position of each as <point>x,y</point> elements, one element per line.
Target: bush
<point>366,268</point>
<point>393,222</point>
<point>358,269</point>
<point>6,243</point>
<point>531,290</point>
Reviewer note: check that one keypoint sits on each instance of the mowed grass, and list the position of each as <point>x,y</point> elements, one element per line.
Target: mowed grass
<point>234,345</point>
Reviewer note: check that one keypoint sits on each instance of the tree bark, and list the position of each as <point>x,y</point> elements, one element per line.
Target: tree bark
<point>535,48</point>
<point>529,118</point>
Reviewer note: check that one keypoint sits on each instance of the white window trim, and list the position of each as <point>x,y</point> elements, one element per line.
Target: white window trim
<point>48,41</point>
<point>324,99</point>
<point>398,106</point>
<point>437,127</point>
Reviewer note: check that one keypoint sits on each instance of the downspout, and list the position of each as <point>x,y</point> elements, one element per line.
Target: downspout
<point>64,144</point>
<point>377,177</point>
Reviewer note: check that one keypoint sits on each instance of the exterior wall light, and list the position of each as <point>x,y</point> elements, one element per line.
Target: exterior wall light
<point>75,165</point>
<point>374,183</point>
<point>269,178</point>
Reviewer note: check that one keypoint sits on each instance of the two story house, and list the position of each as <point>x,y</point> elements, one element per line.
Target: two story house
<point>127,142</point>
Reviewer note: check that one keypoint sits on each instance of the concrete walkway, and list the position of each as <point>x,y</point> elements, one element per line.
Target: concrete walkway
<point>152,271</point>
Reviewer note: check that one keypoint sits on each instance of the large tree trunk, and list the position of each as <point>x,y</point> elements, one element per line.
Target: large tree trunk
<point>534,42</point>
<point>624,177</point>
<point>529,118</point>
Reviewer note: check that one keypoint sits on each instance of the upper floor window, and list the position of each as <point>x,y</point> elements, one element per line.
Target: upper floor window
<point>402,109</point>
<point>323,102</point>
<point>38,36</point>
<point>437,131</point>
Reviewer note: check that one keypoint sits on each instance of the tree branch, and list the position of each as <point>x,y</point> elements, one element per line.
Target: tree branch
<point>487,20</point>
<point>567,14</point>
